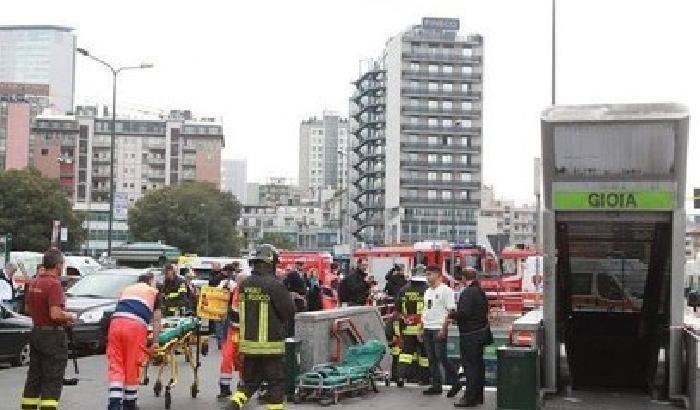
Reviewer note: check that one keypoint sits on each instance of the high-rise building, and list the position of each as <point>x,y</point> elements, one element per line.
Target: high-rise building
<point>323,152</point>
<point>38,61</point>
<point>415,151</point>
<point>234,178</point>
<point>149,154</point>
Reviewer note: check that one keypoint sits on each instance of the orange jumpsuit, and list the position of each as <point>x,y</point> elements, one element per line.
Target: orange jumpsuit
<point>230,359</point>
<point>126,343</point>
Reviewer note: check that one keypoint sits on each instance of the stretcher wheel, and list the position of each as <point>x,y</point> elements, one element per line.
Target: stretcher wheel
<point>194,390</point>
<point>157,388</point>
<point>168,399</point>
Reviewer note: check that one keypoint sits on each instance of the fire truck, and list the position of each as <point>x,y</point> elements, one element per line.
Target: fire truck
<point>381,259</point>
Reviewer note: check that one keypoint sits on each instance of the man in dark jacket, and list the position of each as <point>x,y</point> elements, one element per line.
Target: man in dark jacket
<point>474,332</point>
<point>265,309</point>
<point>355,290</point>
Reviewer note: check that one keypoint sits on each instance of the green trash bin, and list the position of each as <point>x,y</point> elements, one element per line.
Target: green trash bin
<point>293,363</point>
<point>518,378</point>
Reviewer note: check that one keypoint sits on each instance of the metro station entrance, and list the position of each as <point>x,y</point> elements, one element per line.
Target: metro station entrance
<point>613,233</point>
<point>613,276</point>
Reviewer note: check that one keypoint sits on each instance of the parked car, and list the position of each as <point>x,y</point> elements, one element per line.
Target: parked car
<point>14,337</point>
<point>93,299</point>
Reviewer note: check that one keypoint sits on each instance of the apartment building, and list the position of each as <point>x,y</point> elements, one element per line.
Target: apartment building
<point>323,152</point>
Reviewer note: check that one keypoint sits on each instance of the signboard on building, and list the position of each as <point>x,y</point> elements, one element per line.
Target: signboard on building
<point>435,23</point>
<point>7,88</point>
<point>121,205</point>
<point>649,200</point>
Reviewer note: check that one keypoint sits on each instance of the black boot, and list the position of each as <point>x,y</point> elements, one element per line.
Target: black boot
<point>224,392</point>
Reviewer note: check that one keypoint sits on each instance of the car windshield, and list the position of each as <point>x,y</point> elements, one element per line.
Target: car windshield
<point>101,286</point>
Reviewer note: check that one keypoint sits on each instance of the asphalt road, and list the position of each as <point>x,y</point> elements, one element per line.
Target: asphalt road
<point>91,393</point>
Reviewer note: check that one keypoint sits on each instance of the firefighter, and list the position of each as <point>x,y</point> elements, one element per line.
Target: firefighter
<point>174,290</point>
<point>45,303</point>
<point>393,335</point>
<point>230,359</point>
<point>266,308</point>
<point>126,341</point>
<point>413,363</point>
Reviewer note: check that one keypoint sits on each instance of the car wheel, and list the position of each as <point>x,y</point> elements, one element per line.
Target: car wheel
<point>22,358</point>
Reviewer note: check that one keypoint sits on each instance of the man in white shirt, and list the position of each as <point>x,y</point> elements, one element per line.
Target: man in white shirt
<point>438,302</point>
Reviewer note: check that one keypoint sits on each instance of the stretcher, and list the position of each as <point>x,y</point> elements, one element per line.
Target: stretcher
<point>354,375</point>
<point>179,335</point>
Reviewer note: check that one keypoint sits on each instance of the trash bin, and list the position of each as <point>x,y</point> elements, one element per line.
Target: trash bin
<point>518,378</point>
<point>292,360</point>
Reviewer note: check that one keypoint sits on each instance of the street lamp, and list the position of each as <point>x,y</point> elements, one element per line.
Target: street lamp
<point>114,72</point>
<point>343,192</point>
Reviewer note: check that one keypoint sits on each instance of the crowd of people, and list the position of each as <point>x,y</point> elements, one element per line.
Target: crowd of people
<point>424,308</point>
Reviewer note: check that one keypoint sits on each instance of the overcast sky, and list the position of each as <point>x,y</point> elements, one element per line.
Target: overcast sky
<point>265,65</point>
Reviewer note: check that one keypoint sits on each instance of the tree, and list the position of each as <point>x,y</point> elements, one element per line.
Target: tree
<point>30,203</point>
<point>195,216</point>
<point>278,240</point>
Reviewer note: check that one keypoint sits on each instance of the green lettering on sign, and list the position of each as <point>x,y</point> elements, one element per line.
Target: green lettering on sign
<point>614,200</point>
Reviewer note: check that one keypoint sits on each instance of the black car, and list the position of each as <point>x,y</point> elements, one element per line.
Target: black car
<point>93,299</point>
<point>14,337</point>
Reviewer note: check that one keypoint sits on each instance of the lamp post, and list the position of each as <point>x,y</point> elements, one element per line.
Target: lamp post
<point>342,192</point>
<point>114,72</point>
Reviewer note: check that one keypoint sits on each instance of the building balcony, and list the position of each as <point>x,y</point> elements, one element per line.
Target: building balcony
<point>427,183</point>
<point>440,57</point>
<point>437,130</point>
<point>101,161</point>
<point>424,201</point>
<point>423,165</point>
<point>156,146</point>
<point>441,94</point>
<point>409,74</point>
<point>186,176</point>
<point>157,176</point>
<point>425,111</point>
<point>156,161</point>
<point>441,149</point>
<point>100,175</point>
<point>189,148</point>
<point>443,37</point>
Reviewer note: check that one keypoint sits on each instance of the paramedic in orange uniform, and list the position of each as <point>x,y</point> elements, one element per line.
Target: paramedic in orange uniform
<point>126,342</point>
<point>229,352</point>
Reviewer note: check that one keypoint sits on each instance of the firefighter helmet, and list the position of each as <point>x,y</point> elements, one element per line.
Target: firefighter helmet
<point>265,253</point>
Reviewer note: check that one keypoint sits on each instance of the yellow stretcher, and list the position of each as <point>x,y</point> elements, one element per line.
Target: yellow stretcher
<point>179,335</point>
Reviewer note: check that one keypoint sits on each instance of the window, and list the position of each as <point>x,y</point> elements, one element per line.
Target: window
<point>432,122</point>
<point>447,87</point>
<point>447,69</point>
<point>466,105</point>
<point>446,195</point>
<point>467,52</point>
<point>447,105</point>
<point>413,120</point>
<point>464,195</point>
<point>432,104</point>
<point>414,102</point>
<point>447,159</point>
<point>446,141</point>
<point>467,69</point>
<point>44,152</point>
<point>446,176</point>
<point>432,140</point>
<point>412,193</point>
<point>413,156</point>
<point>415,66</point>
<point>432,68</point>
<point>432,158</point>
<point>465,87</point>
<point>433,86</point>
<point>432,176</point>
<point>446,123</point>
<point>432,194</point>
<point>415,85</point>
<point>465,177</point>
<point>465,123</point>
<point>464,159</point>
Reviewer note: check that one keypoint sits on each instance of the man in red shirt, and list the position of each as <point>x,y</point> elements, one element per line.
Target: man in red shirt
<point>45,303</point>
